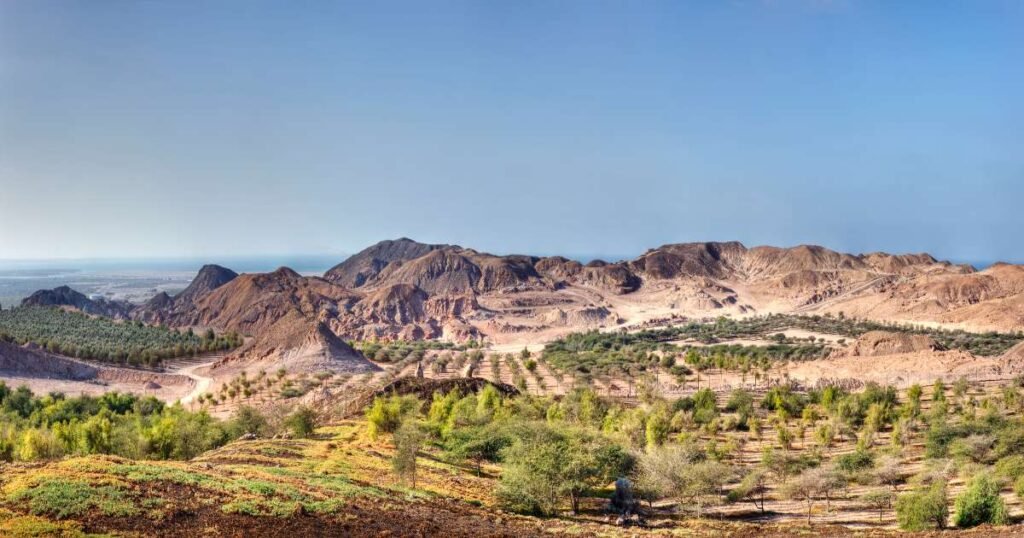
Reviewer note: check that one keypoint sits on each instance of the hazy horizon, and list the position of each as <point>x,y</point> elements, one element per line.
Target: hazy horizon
<point>305,262</point>
<point>141,130</point>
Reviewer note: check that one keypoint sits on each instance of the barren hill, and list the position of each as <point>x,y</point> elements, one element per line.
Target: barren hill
<point>210,277</point>
<point>409,290</point>
<point>65,296</point>
<point>364,267</point>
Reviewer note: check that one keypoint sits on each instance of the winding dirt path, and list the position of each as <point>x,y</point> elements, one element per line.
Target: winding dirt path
<point>202,382</point>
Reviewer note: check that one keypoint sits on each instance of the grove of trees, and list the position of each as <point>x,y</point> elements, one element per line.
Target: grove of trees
<point>134,343</point>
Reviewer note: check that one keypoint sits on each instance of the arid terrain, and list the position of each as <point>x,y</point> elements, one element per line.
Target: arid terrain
<point>664,327</point>
<point>404,290</point>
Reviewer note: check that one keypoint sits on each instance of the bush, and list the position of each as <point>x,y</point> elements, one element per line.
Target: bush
<point>704,406</point>
<point>855,461</point>
<point>302,422</point>
<point>248,420</point>
<point>923,509</point>
<point>980,503</point>
<point>1010,467</point>
<point>385,414</point>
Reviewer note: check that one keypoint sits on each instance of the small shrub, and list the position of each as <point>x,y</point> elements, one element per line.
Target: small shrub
<point>980,503</point>
<point>857,460</point>
<point>923,509</point>
<point>302,422</point>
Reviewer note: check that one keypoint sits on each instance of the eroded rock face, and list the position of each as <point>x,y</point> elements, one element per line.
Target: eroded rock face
<point>615,278</point>
<point>880,343</point>
<point>402,289</point>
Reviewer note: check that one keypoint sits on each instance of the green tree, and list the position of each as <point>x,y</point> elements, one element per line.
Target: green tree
<point>657,428</point>
<point>681,472</point>
<point>97,434</point>
<point>544,466</point>
<point>248,420</point>
<point>752,488</point>
<point>385,415</point>
<point>980,503</point>
<point>923,509</point>
<point>408,440</point>
<point>878,499</point>
<point>301,422</point>
<point>477,444</point>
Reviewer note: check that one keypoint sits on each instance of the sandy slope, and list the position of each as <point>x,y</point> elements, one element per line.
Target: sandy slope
<point>44,372</point>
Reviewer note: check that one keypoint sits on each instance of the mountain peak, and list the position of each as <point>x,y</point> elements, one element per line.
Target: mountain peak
<point>209,278</point>
<point>363,267</point>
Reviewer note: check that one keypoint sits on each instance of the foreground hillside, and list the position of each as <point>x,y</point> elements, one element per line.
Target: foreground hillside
<point>334,484</point>
<point>337,483</point>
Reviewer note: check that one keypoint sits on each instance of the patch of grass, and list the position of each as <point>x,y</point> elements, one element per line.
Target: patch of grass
<point>65,497</point>
<point>146,472</point>
<point>257,487</point>
<point>262,507</point>
<point>339,485</point>
<point>277,452</point>
<point>329,506</point>
<point>18,526</point>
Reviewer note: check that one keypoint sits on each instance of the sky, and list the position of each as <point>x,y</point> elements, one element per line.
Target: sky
<point>161,129</point>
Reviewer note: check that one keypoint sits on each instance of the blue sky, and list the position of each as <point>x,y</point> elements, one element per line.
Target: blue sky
<point>133,129</point>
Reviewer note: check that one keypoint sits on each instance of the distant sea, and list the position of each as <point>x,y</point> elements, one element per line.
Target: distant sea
<point>135,280</point>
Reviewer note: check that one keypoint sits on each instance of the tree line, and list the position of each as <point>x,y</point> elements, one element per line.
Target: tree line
<point>133,343</point>
<point>55,425</point>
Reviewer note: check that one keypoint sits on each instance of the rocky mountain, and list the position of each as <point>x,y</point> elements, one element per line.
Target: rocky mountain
<point>402,289</point>
<point>209,278</point>
<point>163,308</point>
<point>67,297</point>
<point>364,267</point>
<point>516,293</point>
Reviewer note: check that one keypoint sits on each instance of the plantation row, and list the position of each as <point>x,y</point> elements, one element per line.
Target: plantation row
<point>102,339</point>
<point>984,344</point>
<point>395,351</point>
<point>611,353</point>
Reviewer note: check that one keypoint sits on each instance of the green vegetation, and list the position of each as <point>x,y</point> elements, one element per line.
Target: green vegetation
<point>923,509</point>
<point>301,422</point>
<point>398,350</point>
<point>606,353</point>
<point>51,426</point>
<point>62,498</point>
<point>102,339</point>
<point>980,503</point>
<point>550,453</point>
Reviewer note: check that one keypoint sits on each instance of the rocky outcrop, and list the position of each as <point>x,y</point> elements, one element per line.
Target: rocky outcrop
<point>364,267</point>
<point>67,297</point>
<point>209,278</point>
<point>715,260</point>
<point>616,278</point>
<point>880,343</point>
